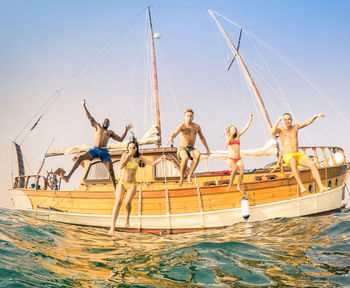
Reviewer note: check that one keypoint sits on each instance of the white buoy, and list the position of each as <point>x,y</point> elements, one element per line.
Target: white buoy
<point>156,35</point>
<point>339,158</point>
<point>245,208</point>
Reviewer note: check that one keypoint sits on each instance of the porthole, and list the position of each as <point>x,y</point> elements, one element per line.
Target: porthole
<point>336,182</point>
<point>311,188</point>
<point>329,183</point>
<point>271,177</point>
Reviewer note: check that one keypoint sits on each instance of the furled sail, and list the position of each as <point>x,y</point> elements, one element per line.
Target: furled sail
<point>150,137</point>
<point>269,149</point>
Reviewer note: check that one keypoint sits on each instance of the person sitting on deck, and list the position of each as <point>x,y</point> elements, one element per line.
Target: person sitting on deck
<point>129,163</point>
<point>101,137</point>
<point>289,140</point>
<point>188,131</point>
<point>234,160</point>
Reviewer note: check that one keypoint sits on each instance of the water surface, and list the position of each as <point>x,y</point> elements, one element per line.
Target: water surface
<point>285,252</point>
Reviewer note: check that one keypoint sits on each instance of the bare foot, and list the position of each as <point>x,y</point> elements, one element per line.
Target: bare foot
<point>127,223</point>
<point>324,188</point>
<point>189,179</point>
<point>228,188</point>
<point>60,172</point>
<point>240,189</point>
<point>65,178</point>
<point>111,231</point>
<point>180,182</point>
<point>302,189</point>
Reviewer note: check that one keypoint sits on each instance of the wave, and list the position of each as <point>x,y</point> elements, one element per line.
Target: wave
<point>285,252</point>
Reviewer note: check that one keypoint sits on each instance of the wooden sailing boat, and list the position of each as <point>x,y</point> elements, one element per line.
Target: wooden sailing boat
<point>161,206</point>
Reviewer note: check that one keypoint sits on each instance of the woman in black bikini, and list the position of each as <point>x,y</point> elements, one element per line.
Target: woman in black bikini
<point>234,160</point>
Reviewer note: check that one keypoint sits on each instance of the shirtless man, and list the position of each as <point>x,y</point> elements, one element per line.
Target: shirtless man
<point>289,140</point>
<point>188,131</point>
<point>101,137</point>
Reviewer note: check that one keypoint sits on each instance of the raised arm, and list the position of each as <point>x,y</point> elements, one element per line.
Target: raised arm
<point>275,130</point>
<point>201,136</point>
<point>246,126</point>
<point>310,120</point>
<point>155,162</point>
<point>92,120</point>
<point>125,158</point>
<point>121,138</point>
<point>174,134</point>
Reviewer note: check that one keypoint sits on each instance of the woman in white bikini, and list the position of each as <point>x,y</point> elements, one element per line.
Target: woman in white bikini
<point>129,163</point>
<point>234,160</point>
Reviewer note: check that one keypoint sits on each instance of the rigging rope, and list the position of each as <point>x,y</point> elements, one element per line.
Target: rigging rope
<point>281,94</point>
<point>105,52</point>
<point>237,101</point>
<point>284,59</point>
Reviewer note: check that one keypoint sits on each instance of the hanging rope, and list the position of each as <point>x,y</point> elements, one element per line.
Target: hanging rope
<point>200,204</point>
<point>167,194</point>
<point>140,203</point>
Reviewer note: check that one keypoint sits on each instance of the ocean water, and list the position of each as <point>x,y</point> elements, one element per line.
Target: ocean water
<point>285,252</point>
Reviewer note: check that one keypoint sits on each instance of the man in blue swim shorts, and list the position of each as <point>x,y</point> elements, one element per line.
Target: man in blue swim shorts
<point>101,138</point>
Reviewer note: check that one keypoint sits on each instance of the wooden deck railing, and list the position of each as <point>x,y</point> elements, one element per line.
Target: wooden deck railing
<point>23,182</point>
<point>328,160</point>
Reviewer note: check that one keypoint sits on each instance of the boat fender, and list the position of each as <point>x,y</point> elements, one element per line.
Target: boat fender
<point>245,208</point>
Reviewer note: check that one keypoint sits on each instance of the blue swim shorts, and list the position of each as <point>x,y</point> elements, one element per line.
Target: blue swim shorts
<point>100,152</point>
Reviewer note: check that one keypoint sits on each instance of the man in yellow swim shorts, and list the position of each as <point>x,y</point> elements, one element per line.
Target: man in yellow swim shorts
<point>296,155</point>
<point>289,139</point>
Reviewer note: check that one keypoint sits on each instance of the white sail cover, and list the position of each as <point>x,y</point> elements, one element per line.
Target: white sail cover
<point>269,149</point>
<point>150,137</point>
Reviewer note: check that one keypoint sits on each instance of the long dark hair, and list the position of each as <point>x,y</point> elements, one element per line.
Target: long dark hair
<point>228,131</point>
<point>137,153</point>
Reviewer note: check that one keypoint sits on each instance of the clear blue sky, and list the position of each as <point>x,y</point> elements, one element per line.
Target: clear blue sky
<point>102,43</point>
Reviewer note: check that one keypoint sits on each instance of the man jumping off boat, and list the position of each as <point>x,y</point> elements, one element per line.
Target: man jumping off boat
<point>101,138</point>
<point>289,140</point>
<point>188,131</point>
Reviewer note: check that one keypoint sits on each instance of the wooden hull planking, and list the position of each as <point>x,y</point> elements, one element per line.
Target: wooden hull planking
<point>189,208</point>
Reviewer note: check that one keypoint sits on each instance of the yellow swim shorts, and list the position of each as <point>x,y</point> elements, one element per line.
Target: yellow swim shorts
<point>296,155</point>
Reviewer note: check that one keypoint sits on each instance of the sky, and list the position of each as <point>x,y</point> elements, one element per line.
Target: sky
<point>296,51</point>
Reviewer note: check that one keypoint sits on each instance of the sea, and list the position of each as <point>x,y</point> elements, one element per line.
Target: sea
<point>286,252</point>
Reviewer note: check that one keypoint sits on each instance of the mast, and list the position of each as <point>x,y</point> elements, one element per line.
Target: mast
<point>255,90</point>
<point>155,80</point>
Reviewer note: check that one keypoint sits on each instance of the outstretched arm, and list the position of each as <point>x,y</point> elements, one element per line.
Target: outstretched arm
<point>310,120</point>
<point>246,126</point>
<point>275,130</point>
<point>121,138</point>
<point>92,120</point>
<point>152,163</point>
<point>201,136</point>
<point>174,134</point>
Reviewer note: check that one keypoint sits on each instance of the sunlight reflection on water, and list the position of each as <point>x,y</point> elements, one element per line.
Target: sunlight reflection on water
<point>304,251</point>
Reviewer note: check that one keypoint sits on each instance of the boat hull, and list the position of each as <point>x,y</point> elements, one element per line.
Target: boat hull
<point>188,222</point>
